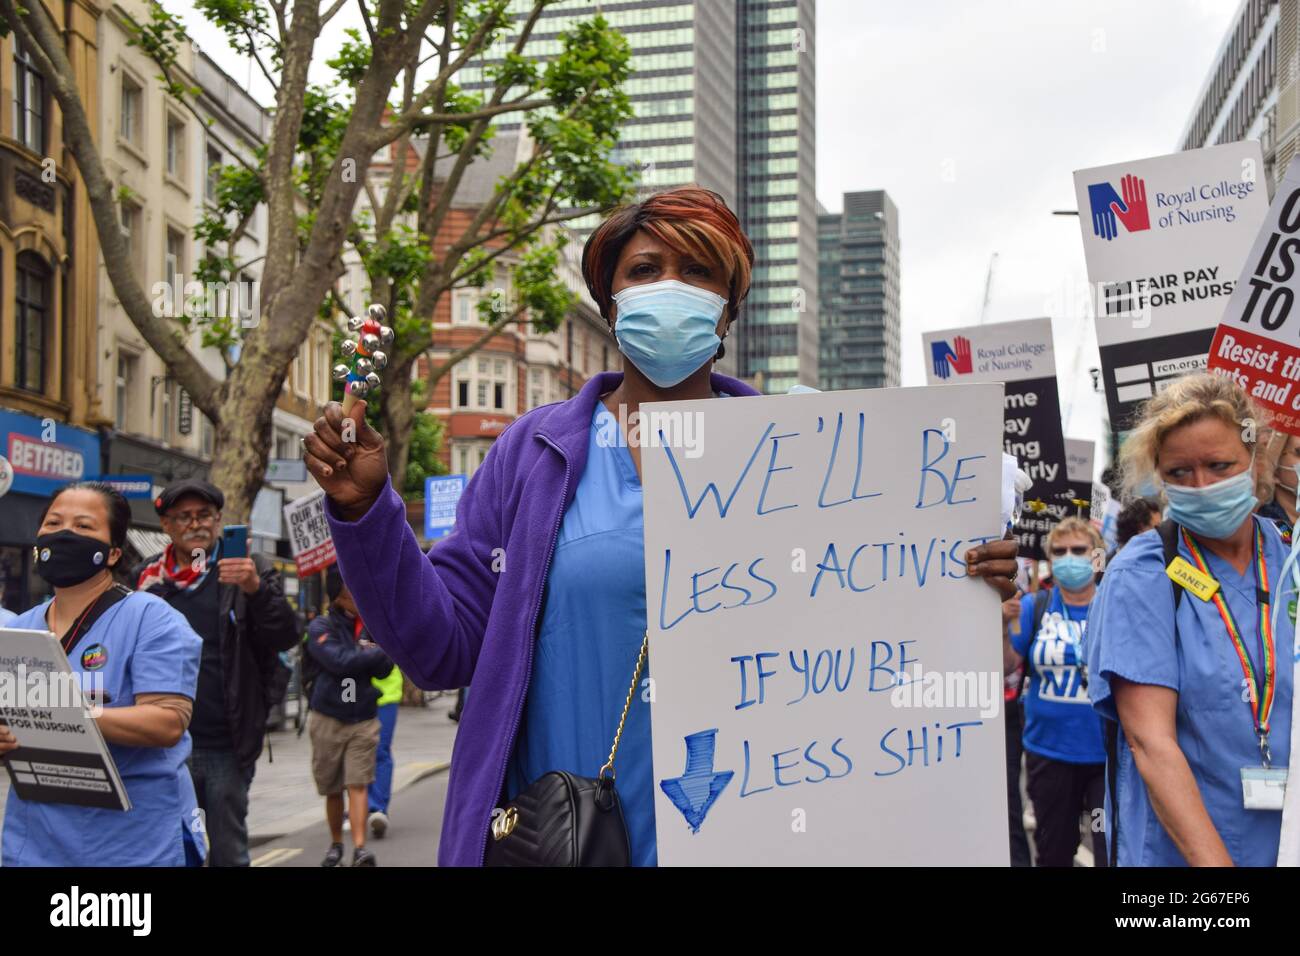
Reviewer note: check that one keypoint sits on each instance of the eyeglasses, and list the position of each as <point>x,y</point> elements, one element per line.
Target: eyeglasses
<point>186,518</point>
<point>1079,550</point>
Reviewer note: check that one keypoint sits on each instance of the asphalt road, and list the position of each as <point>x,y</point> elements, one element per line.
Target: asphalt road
<point>415,821</point>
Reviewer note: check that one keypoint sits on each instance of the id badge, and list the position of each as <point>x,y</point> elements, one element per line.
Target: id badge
<point>1263,789</point>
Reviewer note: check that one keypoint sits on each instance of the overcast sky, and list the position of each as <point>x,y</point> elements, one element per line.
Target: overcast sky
<point>973,114</point>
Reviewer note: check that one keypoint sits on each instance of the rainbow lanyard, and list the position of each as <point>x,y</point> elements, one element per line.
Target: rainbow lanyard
<point>1261,702</point>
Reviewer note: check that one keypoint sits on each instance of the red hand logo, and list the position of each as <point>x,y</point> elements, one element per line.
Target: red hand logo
<point>961,363</point>
<point>1136,217</point>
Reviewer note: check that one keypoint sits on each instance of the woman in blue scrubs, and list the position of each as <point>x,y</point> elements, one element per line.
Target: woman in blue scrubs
<point>1201,686</point>
<point>145,658</point>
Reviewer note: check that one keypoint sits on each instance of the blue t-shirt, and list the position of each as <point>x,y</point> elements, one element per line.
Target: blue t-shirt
<point>593,623</point>
<point>1059,723</point>
<point>6,617</point>
<point>140,645</point>
<point>1132,636</point>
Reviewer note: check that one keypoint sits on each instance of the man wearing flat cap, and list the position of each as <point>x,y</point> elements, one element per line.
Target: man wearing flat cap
<point>237,606</point>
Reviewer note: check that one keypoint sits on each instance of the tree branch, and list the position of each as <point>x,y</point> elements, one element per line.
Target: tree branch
<point>413,119</point>
<point>328,15</point>
<point>464,352</point>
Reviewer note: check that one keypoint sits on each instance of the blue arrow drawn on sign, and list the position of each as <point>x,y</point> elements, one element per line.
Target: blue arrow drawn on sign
<point>695,791</point>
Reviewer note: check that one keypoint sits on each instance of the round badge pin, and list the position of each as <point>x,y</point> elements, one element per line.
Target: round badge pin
<point>94,657</point>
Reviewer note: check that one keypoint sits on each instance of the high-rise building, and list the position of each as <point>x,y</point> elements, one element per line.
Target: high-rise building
<point>722,93</point>
<point>858,275</point>
<point>778,205</point>
<point>1252,90</point>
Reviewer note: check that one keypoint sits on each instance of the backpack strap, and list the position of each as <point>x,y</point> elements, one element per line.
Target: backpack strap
<point>1042,598</point>
<point>1168,532</point>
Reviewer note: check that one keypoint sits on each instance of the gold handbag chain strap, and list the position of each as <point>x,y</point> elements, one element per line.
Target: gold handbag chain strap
<point>627,705</point>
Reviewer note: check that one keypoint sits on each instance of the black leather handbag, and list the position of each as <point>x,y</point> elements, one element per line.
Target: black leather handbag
<point>565,820</point>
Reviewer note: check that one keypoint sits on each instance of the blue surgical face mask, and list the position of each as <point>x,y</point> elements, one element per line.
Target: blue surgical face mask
<point>667,329</point>
<point>1293,469</point>
<point>1216,510</point>
<point>1072,572</point>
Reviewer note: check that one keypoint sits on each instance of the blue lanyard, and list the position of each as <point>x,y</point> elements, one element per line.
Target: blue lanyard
<point>1072,630</point>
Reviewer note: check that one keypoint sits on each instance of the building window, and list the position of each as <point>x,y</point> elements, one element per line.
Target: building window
<point>174,264</point>
<point>536,387</point>
<point>208,434</point>
<point>300,370</point>
<point>466,456</point>
<point>464,306</point>
<point>31,321</point>
<point>130,219</point>
<point>29,102</point>
<point>171,410</point>
<point>175,147</point>
<point>132,120</point>
<point>247,290</point>
<point>127,373</point>
<point>322,374</point>
<point>485,384</point>
<point>215,161</point>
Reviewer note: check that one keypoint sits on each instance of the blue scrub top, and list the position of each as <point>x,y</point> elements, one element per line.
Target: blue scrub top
<point>1132,636</point>
<point>6,617</point>
<point>1059,722</point>
<point>593,623</point>
<point>139,646</point>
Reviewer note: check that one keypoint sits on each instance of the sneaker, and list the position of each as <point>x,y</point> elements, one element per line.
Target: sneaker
<point>363,857</point>
<point>335,855</point>
<point>378,823</point>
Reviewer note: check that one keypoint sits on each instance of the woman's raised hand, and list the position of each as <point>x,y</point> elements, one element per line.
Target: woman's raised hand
<point>347,458</point>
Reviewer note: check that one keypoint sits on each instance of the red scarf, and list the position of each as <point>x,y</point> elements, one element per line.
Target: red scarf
<point>183,576</point>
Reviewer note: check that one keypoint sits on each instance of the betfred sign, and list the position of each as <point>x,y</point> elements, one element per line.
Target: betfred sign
<point>44,454</point>
<point>1255,342</point>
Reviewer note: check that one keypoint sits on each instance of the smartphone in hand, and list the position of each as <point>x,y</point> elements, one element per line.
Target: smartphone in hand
<point>234,541</point>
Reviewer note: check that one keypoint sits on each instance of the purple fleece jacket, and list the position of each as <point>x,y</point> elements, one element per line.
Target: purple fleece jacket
<point>467,612</point>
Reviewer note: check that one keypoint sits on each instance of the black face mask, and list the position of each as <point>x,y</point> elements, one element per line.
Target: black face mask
<point>65,558</point>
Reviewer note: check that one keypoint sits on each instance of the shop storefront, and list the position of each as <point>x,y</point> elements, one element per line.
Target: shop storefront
<point>42,455</point>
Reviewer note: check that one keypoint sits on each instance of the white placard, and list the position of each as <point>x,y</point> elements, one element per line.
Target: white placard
<point>801,553</point>
<point>1256,343</point>
<point>61,755</point>
<point>1021,355</point>
<point>1181,245</point>
<point>309,533</point>
<point>1079,453</point>
<point>1164,240</point>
